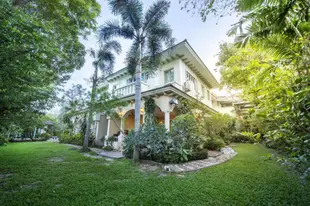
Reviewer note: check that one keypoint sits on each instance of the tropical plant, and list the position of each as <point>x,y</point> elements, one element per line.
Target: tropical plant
<point>148,32</point>
<point>214,143</point>
<point>104,60</point>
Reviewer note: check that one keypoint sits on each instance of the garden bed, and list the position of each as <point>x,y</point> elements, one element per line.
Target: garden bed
<point>215,158</point>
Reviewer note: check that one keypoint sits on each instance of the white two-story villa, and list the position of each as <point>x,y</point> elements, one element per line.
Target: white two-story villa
<point>183,75</point>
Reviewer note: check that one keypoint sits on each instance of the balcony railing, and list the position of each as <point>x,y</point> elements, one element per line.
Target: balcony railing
<point>129,89</point>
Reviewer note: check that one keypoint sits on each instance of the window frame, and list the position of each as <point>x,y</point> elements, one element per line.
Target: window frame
<point>169,72</point>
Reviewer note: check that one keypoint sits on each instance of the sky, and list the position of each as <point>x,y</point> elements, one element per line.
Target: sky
<point>204,37</point>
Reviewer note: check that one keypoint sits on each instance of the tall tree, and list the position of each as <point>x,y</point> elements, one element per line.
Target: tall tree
<point>104,59</point>
<point>74,104</point>
<point>148,32</point>
<point>39,49</point>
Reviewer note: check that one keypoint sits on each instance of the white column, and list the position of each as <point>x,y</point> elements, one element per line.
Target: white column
<point>143,118</point>
<point>167,120</point>
<point>121,135</point>
<point>108,127</point>
<point>97,129</point>
<point>122,124</point>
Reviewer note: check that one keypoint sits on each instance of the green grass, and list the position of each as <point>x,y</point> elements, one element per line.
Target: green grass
<point>79,180</point>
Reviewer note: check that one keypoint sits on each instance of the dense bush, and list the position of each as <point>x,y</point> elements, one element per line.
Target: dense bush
<point>199,155</point>
<point>218,126</point>
<point>248,137</point>
<point>45,136</point>
<point>108,148</point>
<point>182,144</point>
<point>3,140</point>
<point>214,143</point>
<point>71,139</point>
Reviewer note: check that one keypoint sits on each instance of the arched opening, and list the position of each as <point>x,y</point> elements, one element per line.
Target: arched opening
<point>160,115</point>
<point>129,120</point>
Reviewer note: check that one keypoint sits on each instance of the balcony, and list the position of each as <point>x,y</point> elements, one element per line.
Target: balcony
<point>129,89</point>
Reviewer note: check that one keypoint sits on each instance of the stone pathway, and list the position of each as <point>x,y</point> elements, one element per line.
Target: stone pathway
<point>100,152</point>
<point>226,154</point>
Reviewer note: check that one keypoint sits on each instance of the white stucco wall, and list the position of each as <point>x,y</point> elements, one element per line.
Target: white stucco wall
<point>158,80</point>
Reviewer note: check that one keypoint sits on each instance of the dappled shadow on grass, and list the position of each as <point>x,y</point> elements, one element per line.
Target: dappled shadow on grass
<point>245,180</point>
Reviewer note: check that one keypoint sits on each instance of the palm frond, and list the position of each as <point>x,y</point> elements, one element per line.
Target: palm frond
<point>129,10</point>
<point>92,53</point>
<point>112,46</point>
<point>132,58</point>
<point>278,45</point>
<point>113,29</point>
<point>155,13</point>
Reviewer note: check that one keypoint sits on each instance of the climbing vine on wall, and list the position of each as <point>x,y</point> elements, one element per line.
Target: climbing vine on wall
<point>149,107</point>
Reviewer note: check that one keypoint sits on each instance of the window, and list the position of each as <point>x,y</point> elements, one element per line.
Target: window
<point>169,75</point>
<point>115,86</point>
<point>131,80</point>
<point>145,76</point>
<point>191,79</point>
<point>208,94</point>
<point>203,91</point>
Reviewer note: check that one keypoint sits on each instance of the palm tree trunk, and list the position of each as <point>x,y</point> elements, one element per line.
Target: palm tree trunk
<point>90,112</point>
<point>137,103</point>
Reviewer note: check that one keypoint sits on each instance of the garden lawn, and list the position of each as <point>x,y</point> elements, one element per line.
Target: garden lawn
<point>43,173</point>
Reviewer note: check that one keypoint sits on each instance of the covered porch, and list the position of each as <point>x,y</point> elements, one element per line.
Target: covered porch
<point>119,127</point>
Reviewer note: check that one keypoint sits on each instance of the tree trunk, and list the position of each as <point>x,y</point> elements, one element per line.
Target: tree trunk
<point>90,112</point>
<point>137,103</point>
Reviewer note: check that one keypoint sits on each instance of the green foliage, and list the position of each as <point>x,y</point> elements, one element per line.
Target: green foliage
<point>219,126</point>
<point>110,140</point>
<point>273,71</point>
<point>185,141</point>
<point>198,155</point>
<point>150,107</point>
<point>45,136</point>
<point>248,137</point>
<point>39,49</point>
<point>3,140</point>
<point>76,139</point>
<point>215,143</point>
<point>185,133</point>
<point>108,148</point>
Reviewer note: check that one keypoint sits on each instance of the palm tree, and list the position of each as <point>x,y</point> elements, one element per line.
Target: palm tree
<point>104,59</point>
<point>148,33</point>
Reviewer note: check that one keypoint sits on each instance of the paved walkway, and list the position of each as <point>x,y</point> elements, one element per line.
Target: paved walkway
<point>110,154</point>
<point>227,153</point>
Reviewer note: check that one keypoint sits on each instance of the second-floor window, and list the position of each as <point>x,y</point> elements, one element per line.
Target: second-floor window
<point>145,76</point>
<point>203,91</point>
<point>131,80</point>
<point>169,75</point>
<point>191,79</point>
<point>115,86</point>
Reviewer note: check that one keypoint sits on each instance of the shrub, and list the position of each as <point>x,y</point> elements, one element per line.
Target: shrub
<point>248,137</point>
<point>110,140</point>
<point>71,139</point>
<point>199,155</point>
<point>3,140</point>
<point>218,125</point>
<point>108,148</point>
<point>157,144</point>
<point>45,136</point>
<point>214,144</point>
<point>185,132</point>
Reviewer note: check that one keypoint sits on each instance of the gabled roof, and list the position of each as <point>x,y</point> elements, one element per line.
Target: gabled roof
<point>187,54</point>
